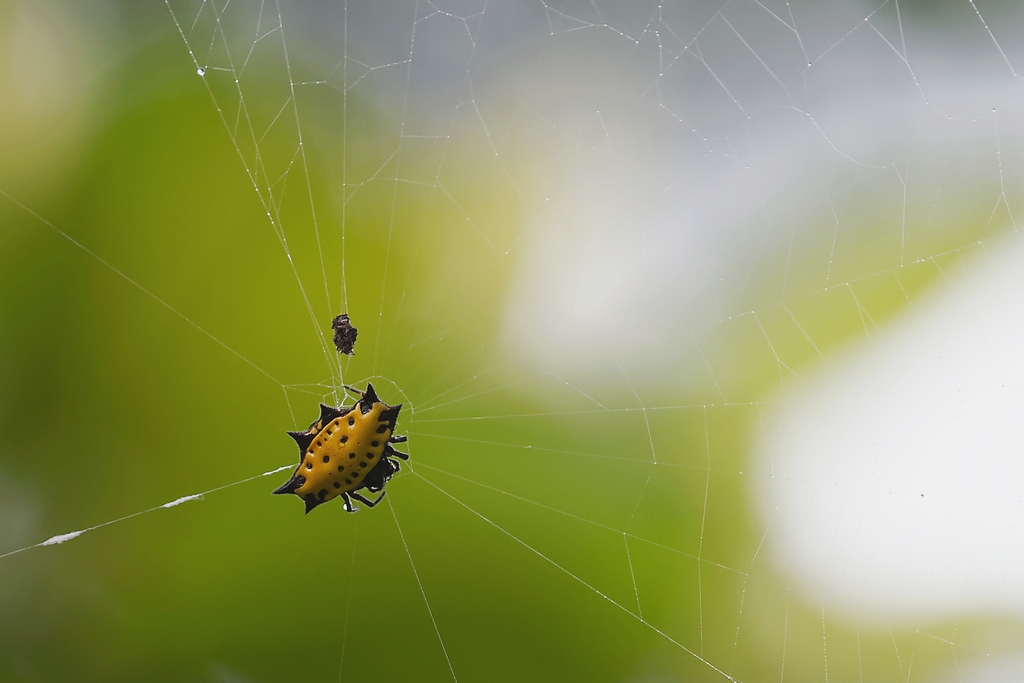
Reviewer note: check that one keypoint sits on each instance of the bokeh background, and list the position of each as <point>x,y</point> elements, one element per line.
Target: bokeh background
<point>703,317</point>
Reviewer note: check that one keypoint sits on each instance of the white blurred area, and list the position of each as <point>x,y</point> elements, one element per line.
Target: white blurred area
<point>892,480</point>
<point>998,669</point>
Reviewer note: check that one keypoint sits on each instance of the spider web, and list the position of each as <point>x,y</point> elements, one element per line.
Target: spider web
<point>703,319</point>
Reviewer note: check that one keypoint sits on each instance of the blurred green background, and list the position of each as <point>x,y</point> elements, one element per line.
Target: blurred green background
<point>159,332</point>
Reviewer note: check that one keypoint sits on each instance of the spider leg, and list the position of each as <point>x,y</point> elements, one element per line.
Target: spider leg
<point>367,501</point>
<point>398,439</point>
<point>391,451</point>
<point>353,390</point>
<point>349,507</point>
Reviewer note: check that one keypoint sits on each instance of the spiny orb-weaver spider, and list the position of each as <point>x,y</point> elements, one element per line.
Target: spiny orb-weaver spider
<point>346,450</point>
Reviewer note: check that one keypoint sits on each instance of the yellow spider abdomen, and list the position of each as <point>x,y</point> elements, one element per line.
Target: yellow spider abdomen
<point>345,450</point>
<point>342,453</point>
